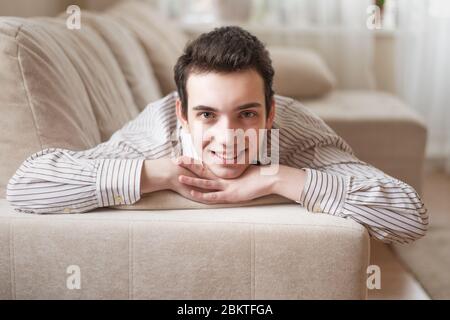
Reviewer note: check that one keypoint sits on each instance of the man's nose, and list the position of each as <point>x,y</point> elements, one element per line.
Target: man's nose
<point>223,134</point>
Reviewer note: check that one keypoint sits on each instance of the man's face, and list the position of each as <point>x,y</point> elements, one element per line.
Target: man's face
<point>218,102</point>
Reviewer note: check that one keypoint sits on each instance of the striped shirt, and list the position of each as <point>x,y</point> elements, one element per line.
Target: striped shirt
<point>57,180</point>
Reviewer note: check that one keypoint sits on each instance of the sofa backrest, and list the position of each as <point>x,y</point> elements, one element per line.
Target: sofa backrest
<point>130,56</point>
<point>43,100</point>
<point>161,39</point>
<point>73,88</point>
<point>109,95</point>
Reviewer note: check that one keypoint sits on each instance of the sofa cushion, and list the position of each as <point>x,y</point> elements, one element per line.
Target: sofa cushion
<point>162,41</point>
<point>266,252</point>
<point>130,56</point>
<point>43,99</point>
<point>300,73</point>
<point>103,80</point>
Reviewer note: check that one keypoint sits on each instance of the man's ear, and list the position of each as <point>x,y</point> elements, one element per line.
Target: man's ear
<point>180,116</point>
<point>271,117</point>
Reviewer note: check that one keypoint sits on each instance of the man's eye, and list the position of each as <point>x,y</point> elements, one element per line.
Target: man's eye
<point>207,115</point>
<point>248,114</point>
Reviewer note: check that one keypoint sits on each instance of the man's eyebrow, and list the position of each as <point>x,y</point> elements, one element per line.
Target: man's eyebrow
<point>249,105</point>
<point>204,108</point>
<point>244,106</point>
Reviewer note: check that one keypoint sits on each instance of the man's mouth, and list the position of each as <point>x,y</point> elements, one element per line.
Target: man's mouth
<point>223,156</point>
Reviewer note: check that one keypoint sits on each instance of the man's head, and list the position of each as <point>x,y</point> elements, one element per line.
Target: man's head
<point>224,81</point>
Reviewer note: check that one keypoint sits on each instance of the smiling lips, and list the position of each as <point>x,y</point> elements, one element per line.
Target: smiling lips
<point>222,156</point>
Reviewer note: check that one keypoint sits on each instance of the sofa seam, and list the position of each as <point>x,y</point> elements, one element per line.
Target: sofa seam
<point>25,87</point>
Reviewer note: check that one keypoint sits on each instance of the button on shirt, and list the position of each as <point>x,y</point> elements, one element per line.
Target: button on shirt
<point>57,180</point>
<point>317,208</point>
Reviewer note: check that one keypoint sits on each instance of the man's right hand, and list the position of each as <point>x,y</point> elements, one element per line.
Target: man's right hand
<point>162,174</point>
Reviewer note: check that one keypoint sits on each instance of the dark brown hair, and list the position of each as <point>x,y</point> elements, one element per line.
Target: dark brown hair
<point>223,50</point>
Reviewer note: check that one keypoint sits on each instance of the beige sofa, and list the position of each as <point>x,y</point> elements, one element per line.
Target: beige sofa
<point>73,88</point>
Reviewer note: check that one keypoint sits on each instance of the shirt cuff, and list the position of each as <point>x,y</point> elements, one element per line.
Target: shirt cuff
<point>324,192</point>
<point>118,181</point>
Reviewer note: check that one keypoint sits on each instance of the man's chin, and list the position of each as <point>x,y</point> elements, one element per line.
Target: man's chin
<point>228,171</point>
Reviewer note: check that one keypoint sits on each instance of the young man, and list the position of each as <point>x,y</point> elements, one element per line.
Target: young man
<point>224,82</point>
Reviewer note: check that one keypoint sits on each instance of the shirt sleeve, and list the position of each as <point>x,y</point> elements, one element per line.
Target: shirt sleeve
<point>63,181</point>
<point>339,184</point>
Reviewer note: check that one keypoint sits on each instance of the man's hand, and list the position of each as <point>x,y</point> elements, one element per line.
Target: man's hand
<point>250,185</point>
<point>194,181</point>
<point>162,174</point>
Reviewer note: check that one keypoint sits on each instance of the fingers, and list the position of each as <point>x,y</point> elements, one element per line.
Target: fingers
<point>199,187</point>
<point>194,166</point>
<point>209,197</point>
<point>200,183</point>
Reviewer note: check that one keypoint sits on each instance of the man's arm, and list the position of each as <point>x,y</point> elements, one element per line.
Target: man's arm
<point>64,181</point>
<point>390,209</point>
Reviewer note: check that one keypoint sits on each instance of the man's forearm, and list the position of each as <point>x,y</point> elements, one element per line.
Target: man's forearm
<point>289,182</point>
<point>155,175</point>
<point>63,186</point>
